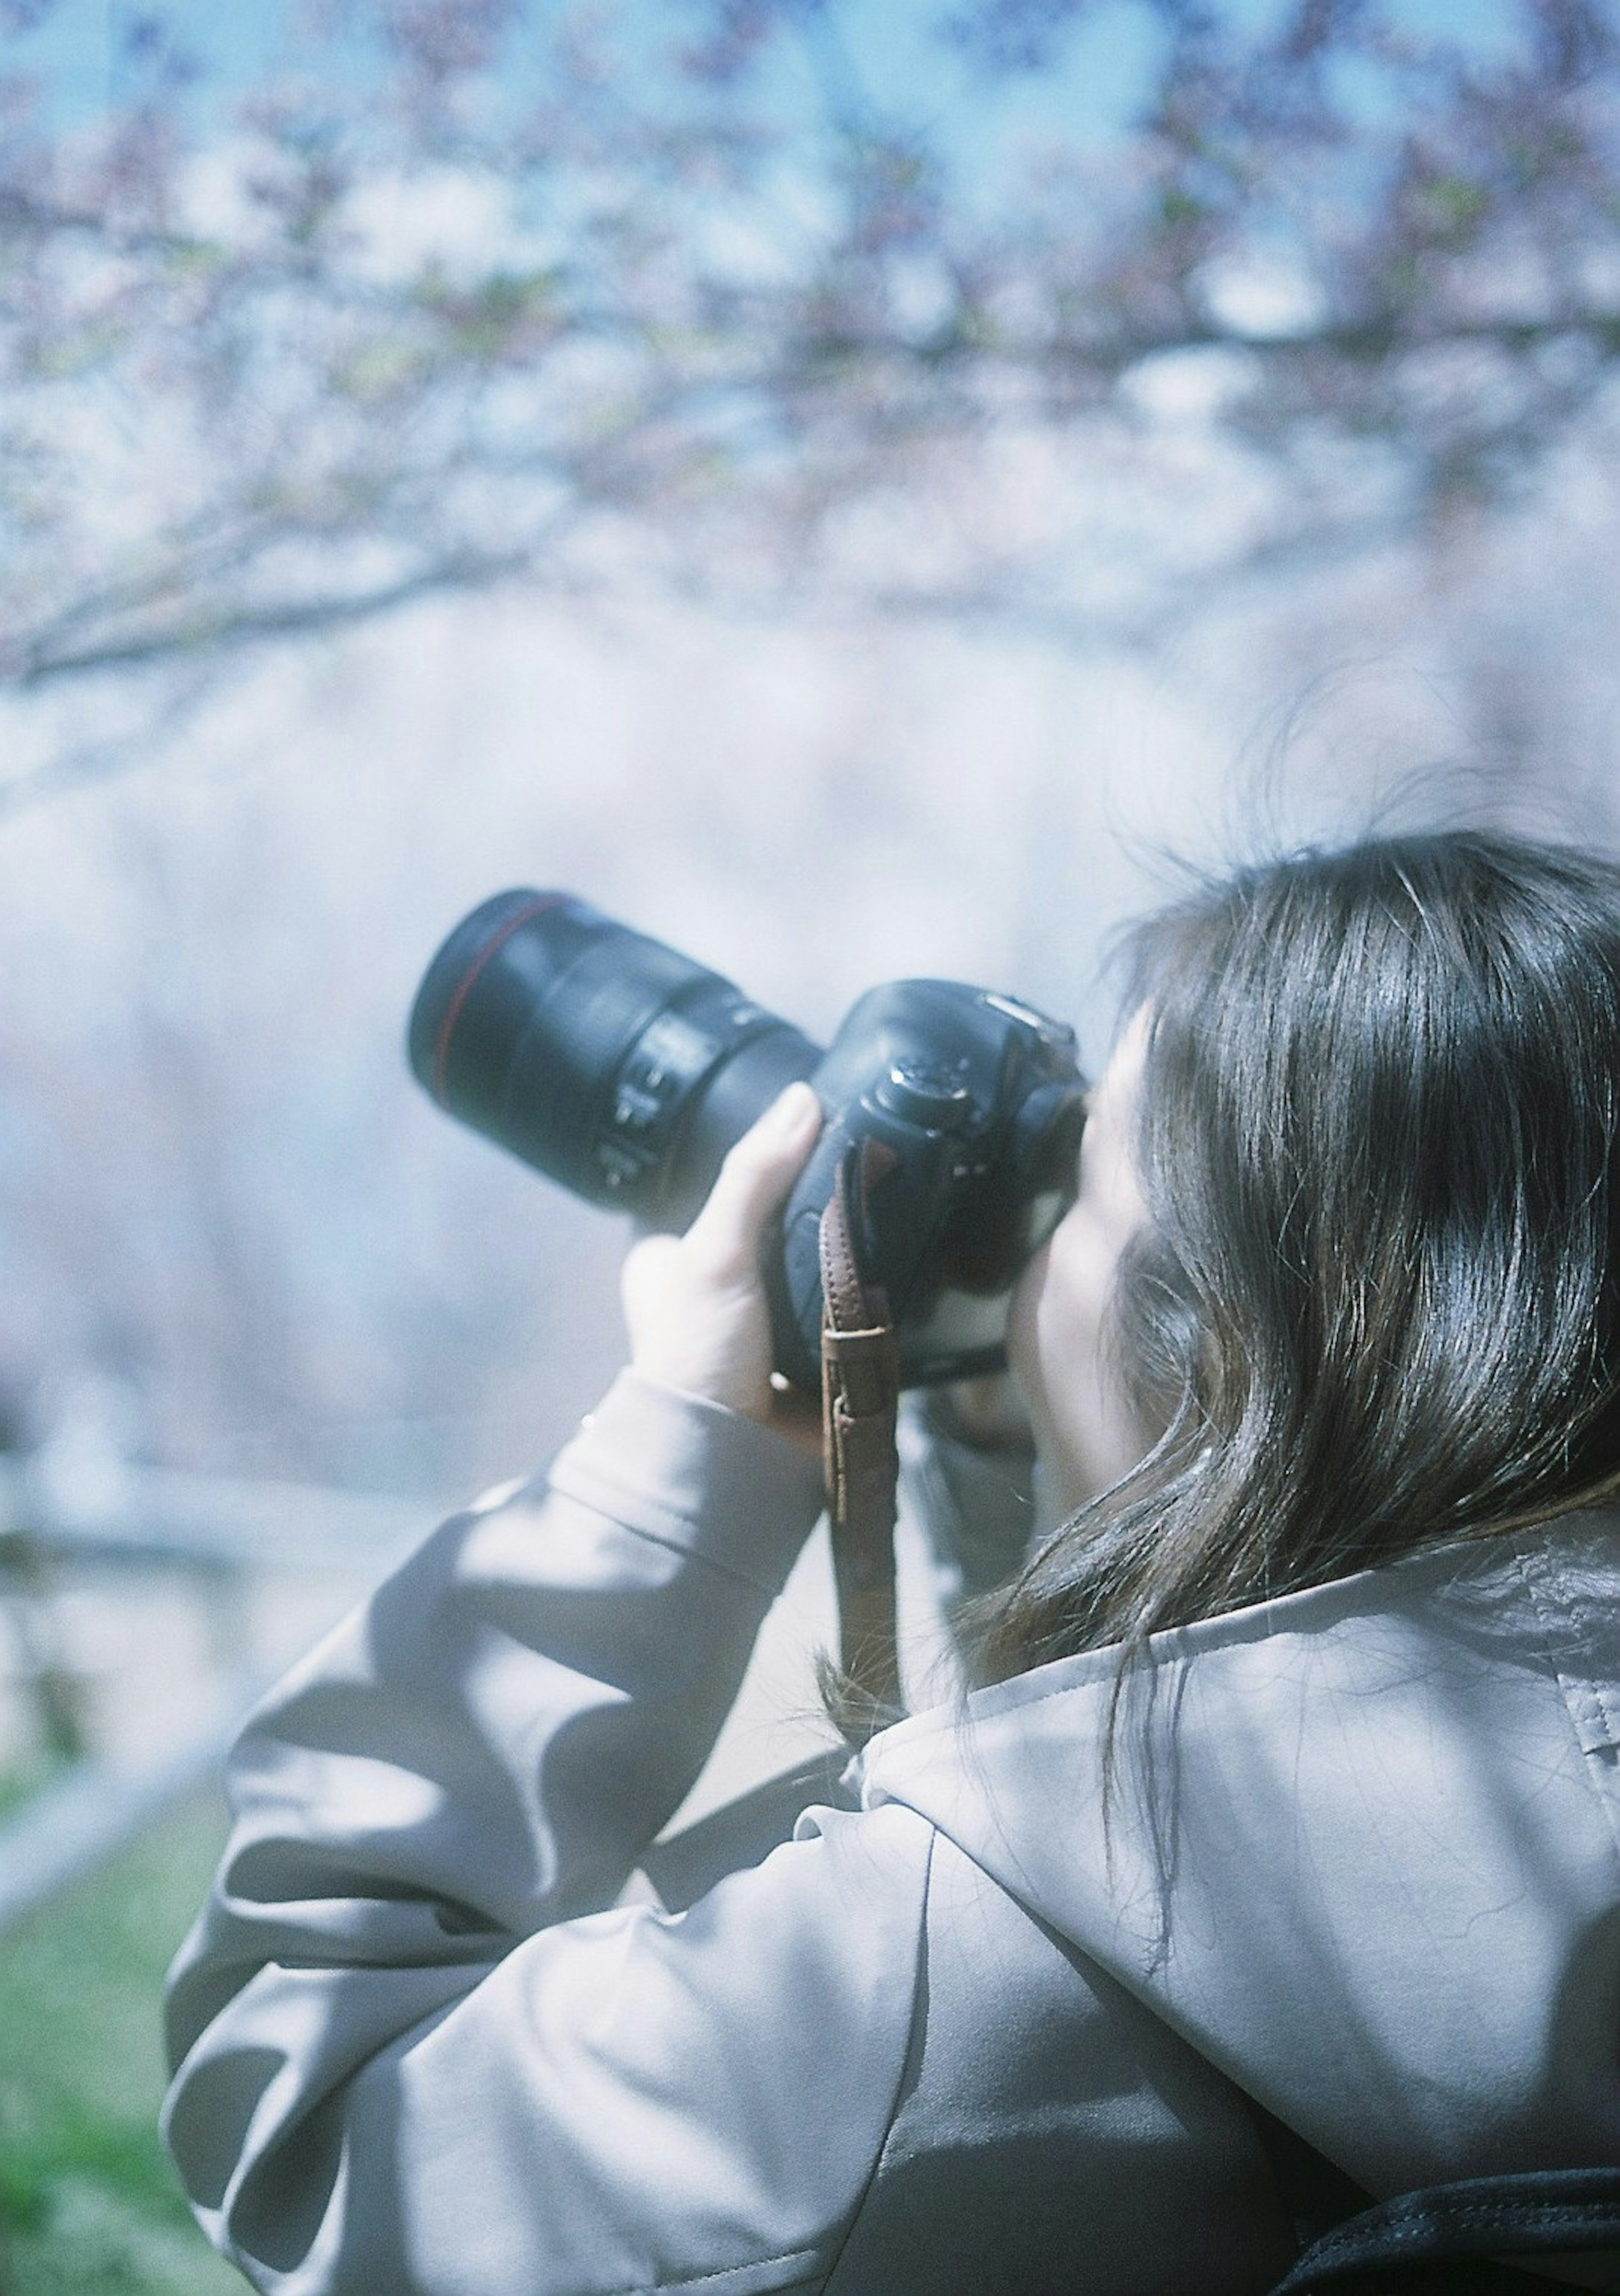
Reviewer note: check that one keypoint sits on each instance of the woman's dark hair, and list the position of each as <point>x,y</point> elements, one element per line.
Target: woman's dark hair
<point>1375,1305</point>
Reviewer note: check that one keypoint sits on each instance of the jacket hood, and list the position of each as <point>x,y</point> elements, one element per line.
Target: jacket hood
<point>1362,1848</point>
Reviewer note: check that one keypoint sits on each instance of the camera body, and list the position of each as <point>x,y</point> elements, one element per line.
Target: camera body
<point>621,1069</point>
<point>960,1111</point>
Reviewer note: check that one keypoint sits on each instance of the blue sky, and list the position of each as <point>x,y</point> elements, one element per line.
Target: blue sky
<point>80,54</point>
<point>885,56</point>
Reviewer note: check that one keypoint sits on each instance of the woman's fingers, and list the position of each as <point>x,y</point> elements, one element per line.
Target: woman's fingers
<point>753,1182</point>
<point>695,1304</point>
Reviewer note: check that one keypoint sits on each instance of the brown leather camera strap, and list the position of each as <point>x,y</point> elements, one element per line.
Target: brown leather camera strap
<point>860,1399</point>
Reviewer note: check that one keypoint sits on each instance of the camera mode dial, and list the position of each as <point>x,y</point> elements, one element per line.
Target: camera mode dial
<point>933,1099</point>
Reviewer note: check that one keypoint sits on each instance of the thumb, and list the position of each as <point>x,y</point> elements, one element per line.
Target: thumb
<point>753,1181</point>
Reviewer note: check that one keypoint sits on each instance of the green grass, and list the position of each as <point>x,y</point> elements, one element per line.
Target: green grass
<point>88,2203</point>
<point>26,1778</point>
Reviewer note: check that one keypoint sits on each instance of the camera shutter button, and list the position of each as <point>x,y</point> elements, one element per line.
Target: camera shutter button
<point>934,1099</point>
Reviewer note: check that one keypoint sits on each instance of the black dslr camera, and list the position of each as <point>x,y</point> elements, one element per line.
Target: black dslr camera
<point>625,1071</point>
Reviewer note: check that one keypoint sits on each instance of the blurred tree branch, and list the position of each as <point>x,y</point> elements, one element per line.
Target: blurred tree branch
<point>489,293</point>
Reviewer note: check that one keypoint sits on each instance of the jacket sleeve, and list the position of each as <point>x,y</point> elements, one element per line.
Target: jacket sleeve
<point>410,2056</point>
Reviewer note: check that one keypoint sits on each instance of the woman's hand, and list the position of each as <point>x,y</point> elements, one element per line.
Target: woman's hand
<point>1087,1429</point>
<point>695,1304</point>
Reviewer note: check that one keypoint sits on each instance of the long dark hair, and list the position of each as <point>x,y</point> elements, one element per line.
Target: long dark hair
<point>1375,1305</point>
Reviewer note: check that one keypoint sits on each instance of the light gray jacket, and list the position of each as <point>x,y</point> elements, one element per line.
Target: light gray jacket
<point>956,2039</point>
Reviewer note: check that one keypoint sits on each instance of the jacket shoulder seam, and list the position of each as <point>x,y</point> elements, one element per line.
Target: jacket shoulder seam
<point>908,2057</point>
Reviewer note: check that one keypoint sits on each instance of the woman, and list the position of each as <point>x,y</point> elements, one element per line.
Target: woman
<point>1290,1783</point>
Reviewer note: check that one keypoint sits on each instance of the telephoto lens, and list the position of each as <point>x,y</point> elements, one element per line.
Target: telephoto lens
<point>606,1060</point>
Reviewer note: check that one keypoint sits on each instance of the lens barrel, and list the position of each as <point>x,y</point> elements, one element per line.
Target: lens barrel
<point>606,1060</point>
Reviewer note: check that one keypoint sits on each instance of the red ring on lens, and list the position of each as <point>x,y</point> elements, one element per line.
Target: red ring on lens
<point>496,941</point>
